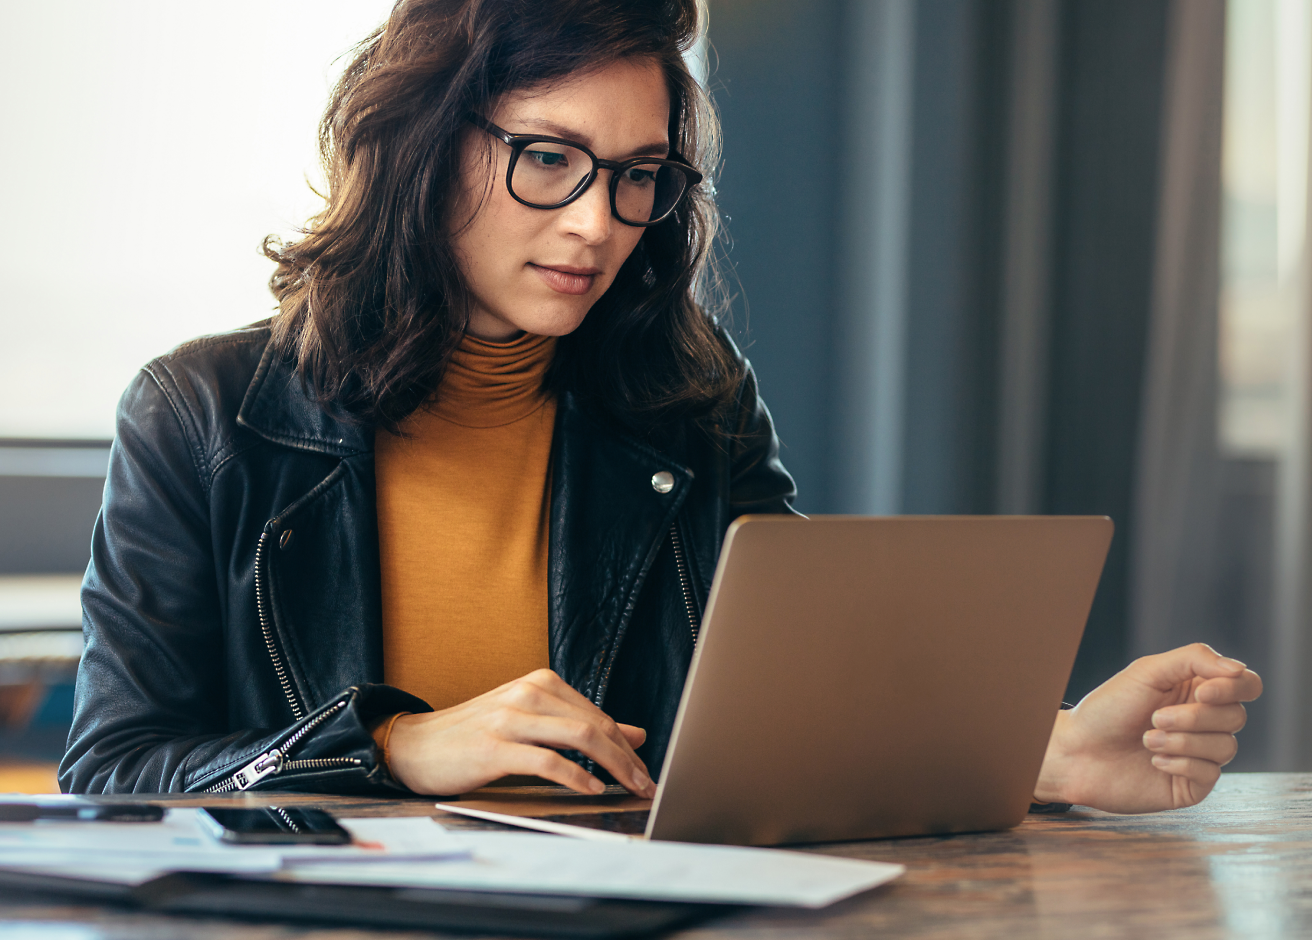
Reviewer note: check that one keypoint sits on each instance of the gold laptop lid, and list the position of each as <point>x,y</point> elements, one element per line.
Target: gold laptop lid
<point>865,677</point>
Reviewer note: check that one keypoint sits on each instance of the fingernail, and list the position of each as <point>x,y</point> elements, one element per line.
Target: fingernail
<point>1154,739</point>
<point>1161,761</point>
<point>640,782</point>
<point>1233,664</point>
<point>1163,720</point>
<point>595,785</point>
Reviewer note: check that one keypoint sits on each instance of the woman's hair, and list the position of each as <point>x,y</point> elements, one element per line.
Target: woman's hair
<point>371,300</point>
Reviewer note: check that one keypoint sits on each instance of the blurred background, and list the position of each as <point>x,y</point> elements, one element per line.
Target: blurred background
<point>986,256</point>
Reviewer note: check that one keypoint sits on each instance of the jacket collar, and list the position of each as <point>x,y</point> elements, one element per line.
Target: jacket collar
<point>607,518</point>
<point>278,407</point>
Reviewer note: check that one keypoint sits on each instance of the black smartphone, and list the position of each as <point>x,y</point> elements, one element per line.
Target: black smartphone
<point>86,812</point>
<point>273,825</point>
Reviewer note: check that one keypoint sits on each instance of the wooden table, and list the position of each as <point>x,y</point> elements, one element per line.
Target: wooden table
<point>1239,865</point>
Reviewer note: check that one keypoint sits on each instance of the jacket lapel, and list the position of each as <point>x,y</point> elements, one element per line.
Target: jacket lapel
<point>325,584</point>
<point>323,567</point>
<point>607,523</point>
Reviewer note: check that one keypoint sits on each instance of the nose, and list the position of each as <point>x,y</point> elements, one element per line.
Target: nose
<point>589,216</point>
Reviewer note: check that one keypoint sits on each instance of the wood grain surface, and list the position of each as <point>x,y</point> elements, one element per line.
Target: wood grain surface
<point>1239,865</point>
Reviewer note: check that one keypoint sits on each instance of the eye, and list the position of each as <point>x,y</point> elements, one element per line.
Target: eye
<point>639,175</point>
<point>547,158</point>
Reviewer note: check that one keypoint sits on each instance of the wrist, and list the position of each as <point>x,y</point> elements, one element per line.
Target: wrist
<point>382,735</point>
<point>1053,785</point>
<point>403,745</point>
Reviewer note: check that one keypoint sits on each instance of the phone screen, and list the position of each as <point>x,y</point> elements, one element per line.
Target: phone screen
<point>272,825</point>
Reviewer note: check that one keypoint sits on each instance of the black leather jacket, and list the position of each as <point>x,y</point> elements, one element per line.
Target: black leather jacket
<point>232,607</point>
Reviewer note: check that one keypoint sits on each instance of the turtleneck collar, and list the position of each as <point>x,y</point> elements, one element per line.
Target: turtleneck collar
<point>487,385</point>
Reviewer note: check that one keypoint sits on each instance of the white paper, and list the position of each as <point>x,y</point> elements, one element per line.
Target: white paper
<point>116,872</point>
<point>419,852</point>
<point>667,871</point>
<point>131,853</point>
<point>384,839</point>
<point>175,843</point>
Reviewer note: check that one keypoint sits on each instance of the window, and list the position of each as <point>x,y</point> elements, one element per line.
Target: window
<point>150,146</point>
<point>1265,174</point>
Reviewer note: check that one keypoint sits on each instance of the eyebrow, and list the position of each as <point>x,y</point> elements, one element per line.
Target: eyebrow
<point>557,130</point>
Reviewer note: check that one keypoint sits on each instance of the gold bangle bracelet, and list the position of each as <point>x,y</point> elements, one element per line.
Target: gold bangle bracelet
<point>387,738</point>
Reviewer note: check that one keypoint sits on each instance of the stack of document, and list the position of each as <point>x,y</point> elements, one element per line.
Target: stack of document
<point>418,852</point>
<point>133,853</point>
<point>656,871</point>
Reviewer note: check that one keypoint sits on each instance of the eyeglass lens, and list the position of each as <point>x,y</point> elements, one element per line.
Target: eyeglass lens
<point>548,174</point>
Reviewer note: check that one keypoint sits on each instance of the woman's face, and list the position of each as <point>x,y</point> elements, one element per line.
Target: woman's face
<point>541,270</point>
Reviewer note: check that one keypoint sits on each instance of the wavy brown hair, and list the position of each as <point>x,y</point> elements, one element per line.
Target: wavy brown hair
<point>371,301</point>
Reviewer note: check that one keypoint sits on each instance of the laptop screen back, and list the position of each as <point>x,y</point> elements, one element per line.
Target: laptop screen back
<point>866,677</point>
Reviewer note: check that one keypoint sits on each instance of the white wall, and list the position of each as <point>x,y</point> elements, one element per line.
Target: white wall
<point>148,146</point>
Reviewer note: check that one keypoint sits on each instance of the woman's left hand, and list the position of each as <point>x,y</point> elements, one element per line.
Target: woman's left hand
<point>1152,737</point>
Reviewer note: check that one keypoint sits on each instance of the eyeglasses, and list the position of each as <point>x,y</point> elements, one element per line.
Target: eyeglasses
<point>548,172</point>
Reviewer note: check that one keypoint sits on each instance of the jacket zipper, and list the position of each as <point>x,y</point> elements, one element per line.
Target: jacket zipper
<point>689,605</point>
<point>274,761</point>
<point>266,625</point>
<point>685,582</point>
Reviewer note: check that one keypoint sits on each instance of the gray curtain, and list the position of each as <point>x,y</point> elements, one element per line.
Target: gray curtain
<point>1176,545</point>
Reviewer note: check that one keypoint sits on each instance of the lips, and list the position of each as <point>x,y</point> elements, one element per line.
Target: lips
<point>566,279</point>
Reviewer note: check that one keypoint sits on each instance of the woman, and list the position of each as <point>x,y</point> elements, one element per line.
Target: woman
<point>485,453</point>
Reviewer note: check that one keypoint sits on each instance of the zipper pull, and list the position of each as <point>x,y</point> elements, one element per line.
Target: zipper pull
<point>263,766</point>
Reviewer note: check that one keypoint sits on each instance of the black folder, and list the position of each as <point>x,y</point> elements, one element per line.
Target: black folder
<point>222,895</point>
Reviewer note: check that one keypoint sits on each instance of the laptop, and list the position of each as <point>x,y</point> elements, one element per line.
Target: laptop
<point>861,678</point>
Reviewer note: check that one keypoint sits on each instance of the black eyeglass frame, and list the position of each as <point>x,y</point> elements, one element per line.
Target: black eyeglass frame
<point>517,143</point>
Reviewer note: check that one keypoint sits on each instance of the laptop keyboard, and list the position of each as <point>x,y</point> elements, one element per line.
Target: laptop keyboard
<point>632,822</point>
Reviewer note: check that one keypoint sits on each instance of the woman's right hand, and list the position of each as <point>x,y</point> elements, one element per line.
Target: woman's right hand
<point>512,730</point>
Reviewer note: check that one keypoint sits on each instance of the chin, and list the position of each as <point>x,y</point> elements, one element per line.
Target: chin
<point>553,319</point>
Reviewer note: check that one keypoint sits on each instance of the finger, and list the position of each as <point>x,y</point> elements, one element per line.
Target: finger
<point>1199,775</point>
<point>545,693</point>
<point>541,762</point>
<point>1198,717</point>
<point>553,685</point>
<point>1243,688</point>
<point>574,734</point>
<point>1167,670</point>
<point>616,737</point>
<point>634,735</point>
<point>1216,747</point>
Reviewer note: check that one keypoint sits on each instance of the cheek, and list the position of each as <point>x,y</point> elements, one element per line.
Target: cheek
<point>483,220</point>
<point>496,238</point>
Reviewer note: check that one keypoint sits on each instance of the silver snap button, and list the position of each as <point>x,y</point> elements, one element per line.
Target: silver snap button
<point>285,540</point>
<point>662,481</point>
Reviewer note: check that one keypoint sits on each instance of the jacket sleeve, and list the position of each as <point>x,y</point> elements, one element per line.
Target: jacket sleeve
<point>758,482</point>
<point>150,711</point>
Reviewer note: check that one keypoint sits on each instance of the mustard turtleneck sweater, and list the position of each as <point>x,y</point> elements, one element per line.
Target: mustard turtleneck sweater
<point>463,504</point>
